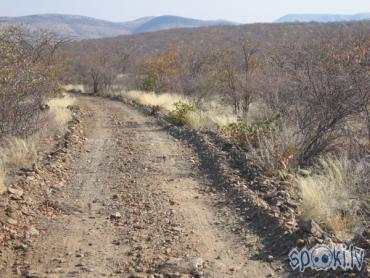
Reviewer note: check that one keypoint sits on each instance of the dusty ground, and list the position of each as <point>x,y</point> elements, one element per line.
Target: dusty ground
<point>135,203</point>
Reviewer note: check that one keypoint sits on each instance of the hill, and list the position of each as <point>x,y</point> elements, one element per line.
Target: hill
<point>172,22</point>
<point>82,27</point>
<point>71,26</point>
<point>322,17</point>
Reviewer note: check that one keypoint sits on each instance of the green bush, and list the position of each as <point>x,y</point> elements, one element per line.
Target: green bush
<point>149,84</point>
<point>241,132</point>
<point>178,115</point>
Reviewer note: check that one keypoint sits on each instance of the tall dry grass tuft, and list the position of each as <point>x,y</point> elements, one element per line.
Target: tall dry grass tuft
<point>209,119</point>
<point>17,153</point>
<point>74,88</point>
<point>61,115</point>
<point>273,152</point>
<point>165,101</point>
<point>330,195</point>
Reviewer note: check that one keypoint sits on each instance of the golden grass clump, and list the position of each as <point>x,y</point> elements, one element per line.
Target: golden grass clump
<point>208,119</point>
<point>16,153</point>
<point>59,110</point>
<point>74,87</point>
<point>329,195</point>
<point>165,101</point>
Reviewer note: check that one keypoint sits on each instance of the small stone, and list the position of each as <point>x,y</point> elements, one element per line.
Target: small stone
<point>22,246</point>
<point>57,270</point>
<point>12,221</point>
<point>312,227</point>
<point>87,269</point>
<point>300,243</point>
<point>196,274</point>
<point>197,262</point>
<point>32,232</point>
<point>138,269</point>
<point>269,258</point>
<point>115,216</point>
<point>16,191</point>
<point>79,265</point>
<point>32,274</point>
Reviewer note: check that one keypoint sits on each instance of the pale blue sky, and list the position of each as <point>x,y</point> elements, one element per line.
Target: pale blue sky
<point>244,11</point>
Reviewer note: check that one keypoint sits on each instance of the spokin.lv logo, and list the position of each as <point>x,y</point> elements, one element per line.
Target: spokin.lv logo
<point>322,257</point>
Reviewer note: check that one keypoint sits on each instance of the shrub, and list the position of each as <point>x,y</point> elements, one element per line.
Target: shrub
<point>161,72</point>
<point>179,115</point>
<point>148,84</point>
<point>330,195</point>
<point>322,84</point>
<point>29,70</point>
<point>274,153</point>
<point>248,134</point>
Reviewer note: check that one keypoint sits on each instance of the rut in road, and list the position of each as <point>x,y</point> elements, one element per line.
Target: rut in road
<point>137,203</point>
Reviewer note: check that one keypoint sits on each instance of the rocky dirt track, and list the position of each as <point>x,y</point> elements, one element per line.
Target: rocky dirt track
<point>135,203</point>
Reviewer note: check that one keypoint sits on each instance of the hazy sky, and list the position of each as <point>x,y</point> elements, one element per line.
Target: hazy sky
<point>244,11</point>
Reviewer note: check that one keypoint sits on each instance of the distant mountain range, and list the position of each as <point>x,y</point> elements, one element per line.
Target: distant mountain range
<point>82,27</point>
<point>322,17</point>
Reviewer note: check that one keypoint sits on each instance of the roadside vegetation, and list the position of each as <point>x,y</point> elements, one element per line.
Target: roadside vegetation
<point>32,106</point>
<point>60,114</point>
<point>294,97</point>
<point>332,193</point>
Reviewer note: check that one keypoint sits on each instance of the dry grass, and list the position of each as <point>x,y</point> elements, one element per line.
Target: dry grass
<point>15,153</point>
<point>165,101</point>
<point>273,153</point>
<point>73,87</point>
<point>329,196</point>
<point>257,110</point>
<point>209,118</point>
<point>61,115</point>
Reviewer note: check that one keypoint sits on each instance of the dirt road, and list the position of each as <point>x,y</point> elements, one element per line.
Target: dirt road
<point>137,205</point>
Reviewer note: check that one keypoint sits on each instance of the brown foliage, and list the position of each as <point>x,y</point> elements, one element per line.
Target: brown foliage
<point>322,85</point>
<point>29,71</point>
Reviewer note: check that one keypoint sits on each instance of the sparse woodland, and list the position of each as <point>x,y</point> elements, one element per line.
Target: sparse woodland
<point>294,97</point>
